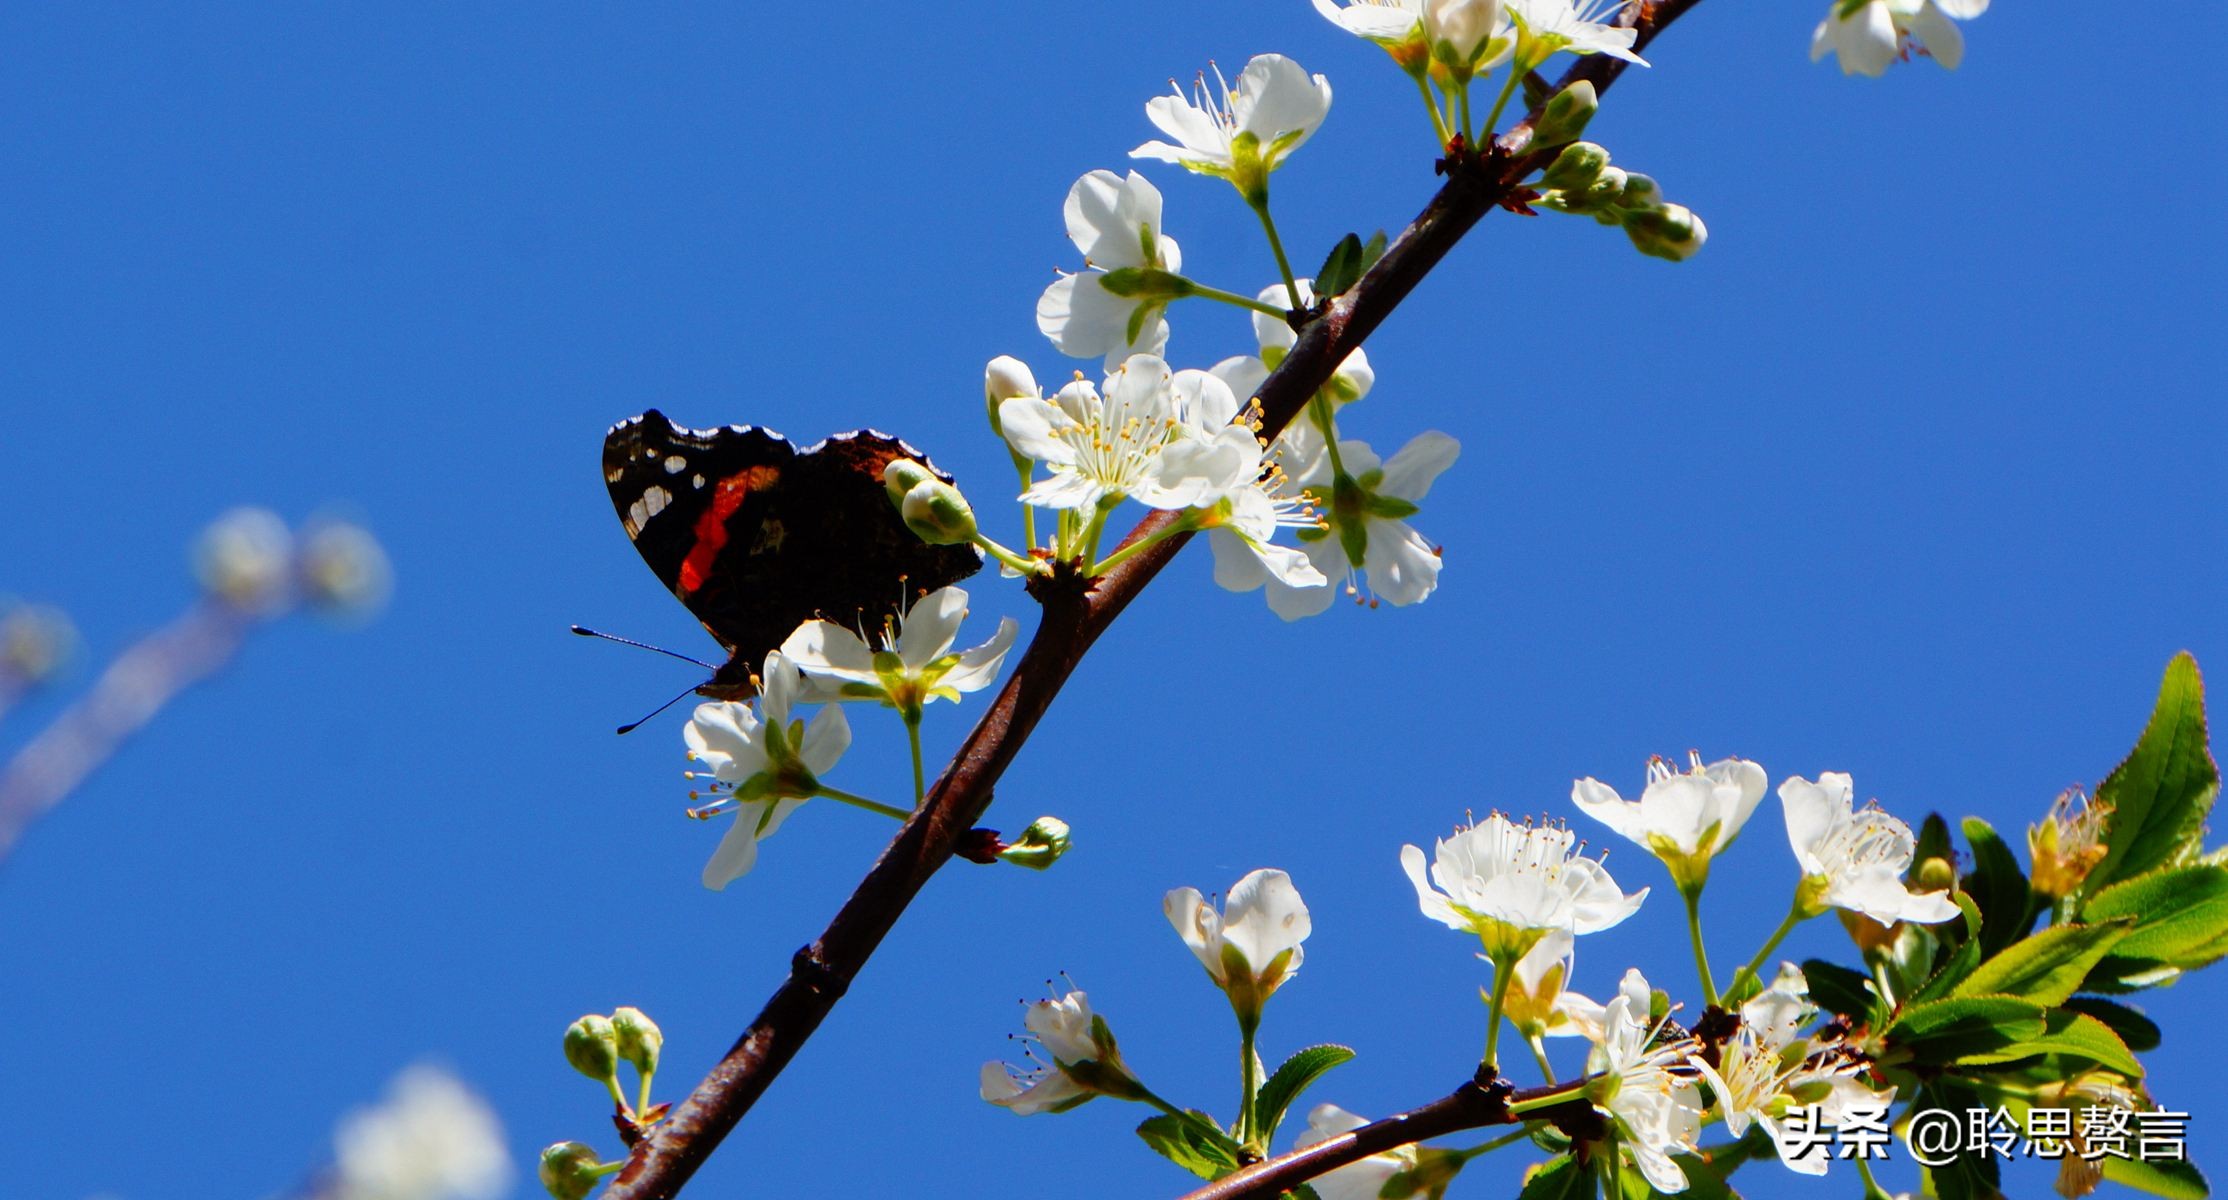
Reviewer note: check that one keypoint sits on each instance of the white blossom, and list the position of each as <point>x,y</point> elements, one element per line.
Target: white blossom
<point>1072,1057</point>
<point>1362,1179</point>
<point>1365,526</point>
<point>1682,817</point>
<point>432,1138</point>
<point>1240,134</point>
<point>1647,1085</point>
<point>1115,221</point>
<point>909,666</point>
<point>1851,858</point>
<point>765,765</point>
<point>1512,884</point>
<point>1578,26</point>
<point>1252,946</point>
<point>1868,36</point>
<point>1132,440</point>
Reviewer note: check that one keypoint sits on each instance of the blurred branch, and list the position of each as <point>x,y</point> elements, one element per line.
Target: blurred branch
<point>127,696</point>
<point>1075,614</point>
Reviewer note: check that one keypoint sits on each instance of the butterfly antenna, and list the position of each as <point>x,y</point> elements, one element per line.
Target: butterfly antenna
<point>584,631</point>
<point>627,729</point>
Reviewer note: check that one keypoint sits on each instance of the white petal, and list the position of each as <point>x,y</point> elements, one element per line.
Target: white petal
<point>931,626</point>
<point>1410,473</point>
<point>1275,97</point>
<point>1031,426</point>
<point>1006,377</point>
<point>1237,568</point>
<point>1243,375</point>
<point>1292,603</point>
<point>823,648</point>
<point>1941,37</point>
<point>978,667</point>
<point>1601,802</point>
<point>1812,810</point>
<point>826,738</point>
<point>1082,318</point>
<point>1204,400</point>
<point>1103,213</point>
<point>1428,899</point>
<point>1264,917</point>
<point>1402,567</point>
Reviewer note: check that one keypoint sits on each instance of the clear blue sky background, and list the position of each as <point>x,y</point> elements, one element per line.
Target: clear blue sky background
<point>1912,473</point>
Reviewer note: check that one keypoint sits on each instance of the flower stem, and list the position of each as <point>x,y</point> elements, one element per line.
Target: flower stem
<point>1204,292</point>
<point>1249,1080</point>
<point>618,1097</point>
<point>1755,968</point>
<point>913,735</point>
<point>861,802</point>
<point>1027,469</point>
<point>1027,566</point>
<point>1089,540</point>
<point>1493,118</point>
<point>1694,930</point>
<point>1276,245</point>
<point>1539,1055</point>
<point>1438,122</point>
<point>1139,546</point>
<point>1463,102</point>
<point>643,1105</point>
<point>1506,1139</point>
<point>1503,973</point>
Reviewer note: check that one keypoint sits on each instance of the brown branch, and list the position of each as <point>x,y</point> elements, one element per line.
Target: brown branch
<point>1075,614</point>
<point>1474,1105</point>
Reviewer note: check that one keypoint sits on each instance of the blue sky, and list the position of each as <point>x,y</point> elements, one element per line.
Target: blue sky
<point>1911,473</point>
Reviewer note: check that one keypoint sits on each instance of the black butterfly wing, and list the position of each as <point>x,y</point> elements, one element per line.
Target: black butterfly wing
<point>757,538</point>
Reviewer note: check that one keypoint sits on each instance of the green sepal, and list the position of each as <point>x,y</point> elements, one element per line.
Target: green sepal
<point>2047,968</point>
<point>1962,961</point>
<point>2159,796</point>
<point>1288,1081</point>
<point>1195,1145</point>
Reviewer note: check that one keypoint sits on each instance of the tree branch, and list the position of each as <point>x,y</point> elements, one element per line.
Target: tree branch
<point>1075,614</point>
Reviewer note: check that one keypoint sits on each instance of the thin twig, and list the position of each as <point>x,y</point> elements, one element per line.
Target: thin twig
<point>1075,614</point>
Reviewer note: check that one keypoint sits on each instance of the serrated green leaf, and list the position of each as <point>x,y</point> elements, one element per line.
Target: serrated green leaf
<point>2068,1033</point>
<point>1559,1178</point>
<point>1373,249</point>
<point>1341,268</point>
<point>1298,1073</point>
<point>1940,1031</point>
<point>2179,914</point>
<point>2161,793</point>
<point>2046,968</point>
<point>1961,962</point>
<point>1837,989</point>
<point>1999,887</point>
<point>1189,1145</point>
<point>2173,1180</point>
<point>2138,1031</point>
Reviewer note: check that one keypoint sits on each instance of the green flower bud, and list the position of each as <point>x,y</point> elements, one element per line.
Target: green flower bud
<point>1640,192</point>
<point>1936,875</point>
<point>902,476</point>
<point>1576,167</point>
<point>592,1047</point>
<point>1605,190</point>
<point>938,514</point>
<point>1670,232</point>
<point>1040,845</point>
<point>639,1038</point>
<point>570,1170</point>
<point>1566,115</point>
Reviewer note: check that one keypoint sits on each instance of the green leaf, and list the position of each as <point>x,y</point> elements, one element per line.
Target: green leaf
<point>2046,968</point>
<point>1559,1178</point>
<point>1999,887</point>
<point>2068,1033</point>
<point>1933,842</point>
<point>2173,1180</point>
<point>1969,1176</point>
<point>1341,269</point>
<point>2180,914</point>
<point>1837,989</point>
<point>2160,795</point>
<point>2138,1031</point>
<point>1961,961</point>
<point>1373,249</point>
<point>1941,1031</point>
<point>1297,1074</point>
<point>1189,1145</point>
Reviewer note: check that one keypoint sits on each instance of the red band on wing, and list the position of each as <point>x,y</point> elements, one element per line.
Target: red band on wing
<point>711,527</point>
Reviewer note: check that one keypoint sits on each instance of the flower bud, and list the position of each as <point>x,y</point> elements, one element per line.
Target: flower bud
<point>1576,167</point>
<point>1566,115</point>
<point>244,557</point>
<point>1606,189</point>
<point>1006,378</point>
<point>639,1038</point>
<point>34,643</point>
<point>1670,232</point>
<point>938,514</point>
<point>1640,191</point>
<point>592,1047</point>
<point>570,1170</point>
<point>1935,874</point>
<point>902,476</point>
<point>344,569</point>
<point>1040,845</point>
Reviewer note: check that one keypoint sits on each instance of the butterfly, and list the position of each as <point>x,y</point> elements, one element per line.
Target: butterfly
<point>757,537</point>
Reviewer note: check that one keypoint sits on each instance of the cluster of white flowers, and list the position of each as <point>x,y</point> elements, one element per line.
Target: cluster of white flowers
<point>1868,36</point>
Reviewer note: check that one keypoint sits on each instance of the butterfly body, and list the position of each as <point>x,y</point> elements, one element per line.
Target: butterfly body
<point>757,537</point>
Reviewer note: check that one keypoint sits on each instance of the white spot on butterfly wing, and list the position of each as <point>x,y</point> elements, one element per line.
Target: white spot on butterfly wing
<point>651,504</point>
<point>675,464</point>
<point>696,481</point>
